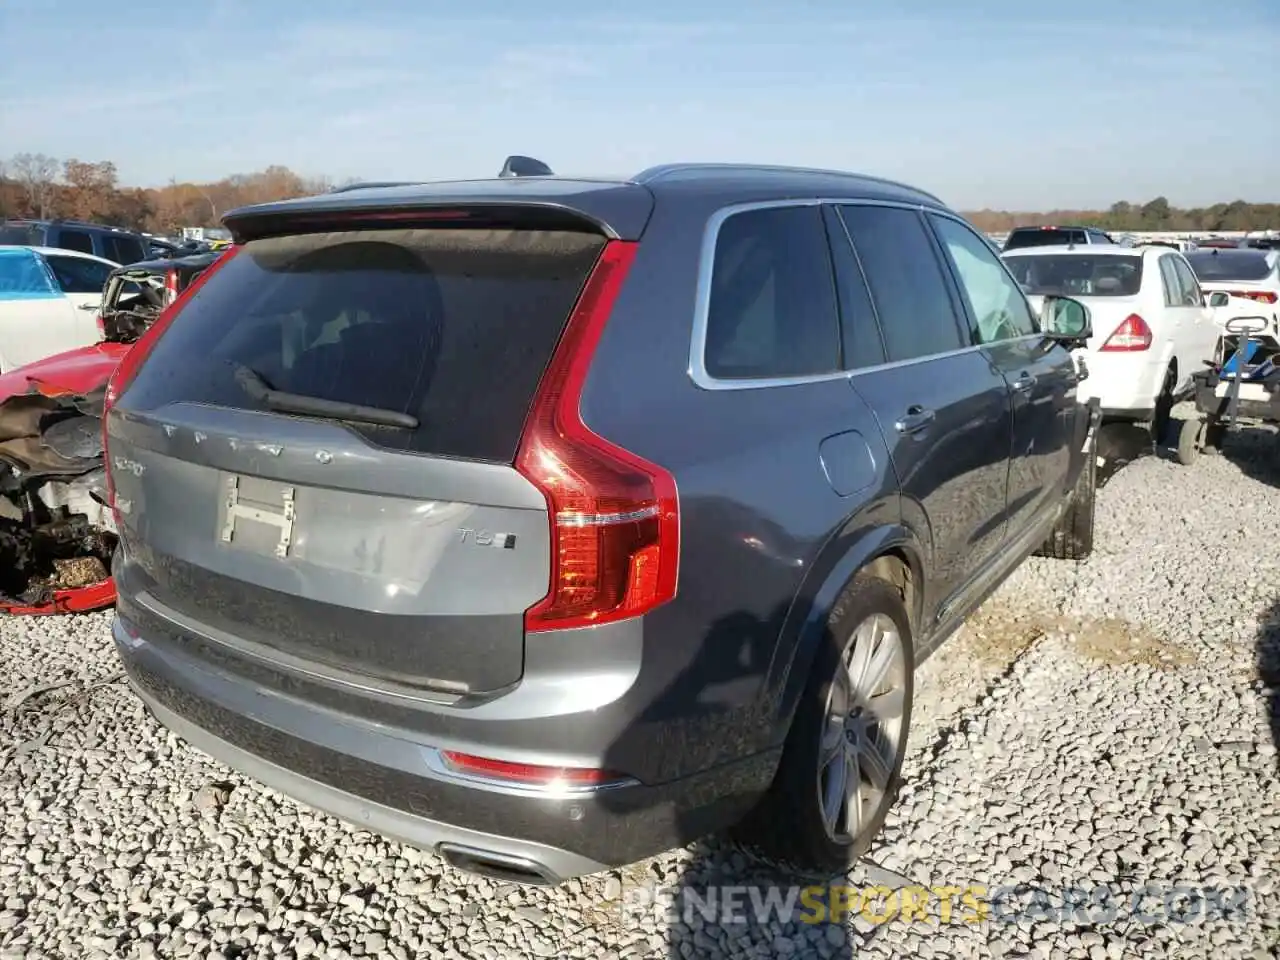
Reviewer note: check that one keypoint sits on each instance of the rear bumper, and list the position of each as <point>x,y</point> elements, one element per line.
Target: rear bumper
<point>1126,385</point>
<point>390,781</point>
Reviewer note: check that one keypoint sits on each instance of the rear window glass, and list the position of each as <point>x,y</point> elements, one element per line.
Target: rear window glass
<point>1044,238</point>
<point>453,327</point>
<point>1077,275</point>
<point>1230,265</point>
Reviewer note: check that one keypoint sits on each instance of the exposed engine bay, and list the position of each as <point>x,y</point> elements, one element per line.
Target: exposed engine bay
<point>56,531</point>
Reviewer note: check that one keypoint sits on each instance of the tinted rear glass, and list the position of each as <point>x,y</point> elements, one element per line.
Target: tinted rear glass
<point>1078,274</point>
<point>1230,265</point>
<point>1044,238</point>
<point>454,327</point>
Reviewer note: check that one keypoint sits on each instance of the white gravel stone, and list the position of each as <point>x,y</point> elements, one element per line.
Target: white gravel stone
<point>1094,725</point>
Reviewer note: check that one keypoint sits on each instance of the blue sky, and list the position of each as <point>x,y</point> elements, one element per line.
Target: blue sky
<point>1016,104</point>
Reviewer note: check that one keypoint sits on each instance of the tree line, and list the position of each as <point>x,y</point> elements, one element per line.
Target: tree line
<point>1153,216</point>
<point>39,186</point>
<point>36,185</point>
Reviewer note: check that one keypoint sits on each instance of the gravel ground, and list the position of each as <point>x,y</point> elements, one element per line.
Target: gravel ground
<point>1094,725</point>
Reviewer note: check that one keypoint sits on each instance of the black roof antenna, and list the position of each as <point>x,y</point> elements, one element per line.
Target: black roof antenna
<point>518,166</point>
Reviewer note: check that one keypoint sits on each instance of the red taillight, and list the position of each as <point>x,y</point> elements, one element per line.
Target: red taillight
<point>1133,334</point>
<point>615,524</point>
<point>170,286</point>
<point>527,773</point>
<point>128,366</point>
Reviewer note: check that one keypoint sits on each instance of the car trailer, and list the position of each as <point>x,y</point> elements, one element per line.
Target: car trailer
<point>1241,384</point>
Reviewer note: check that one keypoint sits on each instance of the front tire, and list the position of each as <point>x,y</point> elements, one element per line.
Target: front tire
<point>841,765</point>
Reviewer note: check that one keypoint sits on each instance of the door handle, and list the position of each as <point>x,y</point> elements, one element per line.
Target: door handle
<point>1024,382</point>
<point>90,306</point>
<point>914,420</point>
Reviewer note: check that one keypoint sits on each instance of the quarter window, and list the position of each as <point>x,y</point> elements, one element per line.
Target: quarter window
<point>997,308</point>
<point>904,275</point>
<point>772,311</point>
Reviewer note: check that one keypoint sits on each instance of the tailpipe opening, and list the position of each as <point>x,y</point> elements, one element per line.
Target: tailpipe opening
<point>497,866</point>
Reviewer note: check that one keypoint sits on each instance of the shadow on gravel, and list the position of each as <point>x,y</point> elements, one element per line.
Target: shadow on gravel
<point>1256,451</point>
<point>1268,667</point>
<point>1119,444</point>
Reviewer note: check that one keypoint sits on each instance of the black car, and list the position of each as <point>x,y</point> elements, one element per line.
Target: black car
<point>1021,237</point>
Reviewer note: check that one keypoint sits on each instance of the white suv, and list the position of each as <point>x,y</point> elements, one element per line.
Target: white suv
<point>1152,326</point>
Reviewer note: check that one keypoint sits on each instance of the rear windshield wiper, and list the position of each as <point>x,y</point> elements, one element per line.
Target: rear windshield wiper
<point>282,401</point>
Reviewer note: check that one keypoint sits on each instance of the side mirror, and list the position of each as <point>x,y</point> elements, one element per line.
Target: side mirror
<point>1066,321</point>
<point>1247,325</point>
<point>1218,299</point>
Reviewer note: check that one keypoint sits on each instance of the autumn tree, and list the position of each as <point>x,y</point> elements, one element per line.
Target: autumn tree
<point>90,192</point>
<point>36,174</point>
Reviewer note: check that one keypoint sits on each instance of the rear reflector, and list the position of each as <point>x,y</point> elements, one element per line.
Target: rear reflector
<point>1132,335</point>
<point>615,524</point>
<point>527,773</point>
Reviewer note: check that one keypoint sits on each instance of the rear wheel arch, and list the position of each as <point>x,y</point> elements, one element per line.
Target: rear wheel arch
<point>889,553</point>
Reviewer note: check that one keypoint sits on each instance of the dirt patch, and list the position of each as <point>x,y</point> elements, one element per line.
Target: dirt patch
<point>1118,643</point>
<point>999,632</point>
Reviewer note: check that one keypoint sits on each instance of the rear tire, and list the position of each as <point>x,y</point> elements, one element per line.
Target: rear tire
<point>868,639</point>
<point>1072,535</point>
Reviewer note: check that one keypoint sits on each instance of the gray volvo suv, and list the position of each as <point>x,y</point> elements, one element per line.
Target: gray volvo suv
<point>549,523</point>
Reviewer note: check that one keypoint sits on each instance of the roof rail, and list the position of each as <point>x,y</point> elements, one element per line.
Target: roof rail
<point>374,185</point>
<point>654,174</point>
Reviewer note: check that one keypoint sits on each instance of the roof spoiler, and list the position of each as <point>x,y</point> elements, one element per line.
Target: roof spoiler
<point>517,166</point>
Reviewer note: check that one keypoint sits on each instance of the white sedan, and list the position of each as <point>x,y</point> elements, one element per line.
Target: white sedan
<point>49,301</point>
<point>1152,325</point>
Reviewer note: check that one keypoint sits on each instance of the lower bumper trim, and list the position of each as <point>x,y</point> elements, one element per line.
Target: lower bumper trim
<point>464,848</point>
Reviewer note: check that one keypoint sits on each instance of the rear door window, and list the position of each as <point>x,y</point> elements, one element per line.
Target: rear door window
<point>77,240</point>
<point>772,312</point>
<point>904,274</point>
<point>451,326</point>
<point>76,275</point>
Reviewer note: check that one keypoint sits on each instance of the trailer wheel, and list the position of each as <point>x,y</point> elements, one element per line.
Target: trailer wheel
<point>1191,440</point>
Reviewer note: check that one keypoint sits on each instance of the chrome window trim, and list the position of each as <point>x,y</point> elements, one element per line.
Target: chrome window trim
<point>702,299</point>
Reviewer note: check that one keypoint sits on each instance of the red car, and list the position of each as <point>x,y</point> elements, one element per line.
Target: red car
<point>56,532</point>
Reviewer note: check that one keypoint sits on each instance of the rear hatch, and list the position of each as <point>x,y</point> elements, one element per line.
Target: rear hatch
<point>403,554</point>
